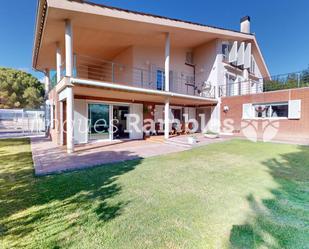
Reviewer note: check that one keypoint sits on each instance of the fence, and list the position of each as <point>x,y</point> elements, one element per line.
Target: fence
<point>20,122</point>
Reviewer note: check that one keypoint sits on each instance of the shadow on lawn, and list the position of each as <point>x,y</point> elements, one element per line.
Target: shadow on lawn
<point>77,193</point>
<point>283,221</point>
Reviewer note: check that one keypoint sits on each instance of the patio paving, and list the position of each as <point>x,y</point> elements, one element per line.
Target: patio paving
<point>49,158</point>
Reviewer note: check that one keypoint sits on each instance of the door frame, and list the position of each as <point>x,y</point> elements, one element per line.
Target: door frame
<point>111,106</point>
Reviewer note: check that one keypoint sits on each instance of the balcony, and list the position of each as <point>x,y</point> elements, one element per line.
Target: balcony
<point>152,78</point>
<point>268,84</point>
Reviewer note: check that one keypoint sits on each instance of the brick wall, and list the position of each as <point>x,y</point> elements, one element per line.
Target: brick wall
<point>285,129</point>
<point>55,132</point>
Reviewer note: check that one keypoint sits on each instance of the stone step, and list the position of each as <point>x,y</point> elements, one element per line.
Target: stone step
<point>178,143</point>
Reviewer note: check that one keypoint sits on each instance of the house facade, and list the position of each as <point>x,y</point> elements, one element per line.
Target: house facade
<point>110,71</point>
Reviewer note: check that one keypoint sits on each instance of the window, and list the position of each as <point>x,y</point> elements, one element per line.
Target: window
<point>225,50</point>
<point>271,110</point>
<point>160,79</point>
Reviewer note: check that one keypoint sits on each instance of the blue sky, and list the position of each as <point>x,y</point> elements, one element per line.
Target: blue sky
<point>281,27</point>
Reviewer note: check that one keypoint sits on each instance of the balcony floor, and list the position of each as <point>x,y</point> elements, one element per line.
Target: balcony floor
<point>87,89</point>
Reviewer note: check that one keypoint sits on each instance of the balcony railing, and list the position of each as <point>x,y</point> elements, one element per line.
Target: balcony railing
<point>150,77</point>
<point>273,83</point>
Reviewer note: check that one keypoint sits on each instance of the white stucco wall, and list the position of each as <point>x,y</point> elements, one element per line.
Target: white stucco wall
<point>136,109</point>
<point>150,59</point>
<point>80,121</point>
<point>124,74</point>
<point>206,59</point>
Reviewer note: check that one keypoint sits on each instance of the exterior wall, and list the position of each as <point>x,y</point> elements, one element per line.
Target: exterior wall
<point>288,129</point>
<point>150,59</point>
<point>80,121</point>
<point>124,75</point>
<point>54,132</point>
<point>206,60</point>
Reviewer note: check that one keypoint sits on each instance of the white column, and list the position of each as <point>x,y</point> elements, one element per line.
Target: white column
<point>61,122</point>
<point>166,118</point>
<point>167,86</point>
<point>68,48</point>
<point>47,82</point>
<point>167,62</point>
<point>70,96</point>
<point>58,62</point>
<point>245,87</point>
<point>70,119</point>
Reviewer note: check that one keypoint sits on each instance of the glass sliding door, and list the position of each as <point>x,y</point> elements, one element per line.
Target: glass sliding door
<point>99,121</point>
<point>120,122</point>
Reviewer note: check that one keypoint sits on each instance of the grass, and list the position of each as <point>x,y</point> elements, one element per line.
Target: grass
<point>235,194</point>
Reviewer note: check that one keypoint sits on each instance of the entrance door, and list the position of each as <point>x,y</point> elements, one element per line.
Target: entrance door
<point>99,121</point>
<point>120,122</point>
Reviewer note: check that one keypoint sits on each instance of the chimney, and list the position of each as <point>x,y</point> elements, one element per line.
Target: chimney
<point>245,24</point>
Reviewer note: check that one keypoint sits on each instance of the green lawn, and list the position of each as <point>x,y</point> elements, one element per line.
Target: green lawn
<point>235,194</point>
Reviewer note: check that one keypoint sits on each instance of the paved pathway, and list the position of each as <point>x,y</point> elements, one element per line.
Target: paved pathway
<point>49,158</point>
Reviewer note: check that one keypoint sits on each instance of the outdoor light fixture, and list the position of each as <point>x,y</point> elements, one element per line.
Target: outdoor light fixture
<point>226,108</point>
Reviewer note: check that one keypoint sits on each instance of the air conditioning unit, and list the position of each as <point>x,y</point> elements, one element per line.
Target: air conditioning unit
<point>189,58</point>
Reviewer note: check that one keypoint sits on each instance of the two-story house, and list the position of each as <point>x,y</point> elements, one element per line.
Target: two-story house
<point>103,63</point>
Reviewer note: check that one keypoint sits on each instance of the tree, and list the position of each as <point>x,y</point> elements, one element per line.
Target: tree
<point>20,90</point>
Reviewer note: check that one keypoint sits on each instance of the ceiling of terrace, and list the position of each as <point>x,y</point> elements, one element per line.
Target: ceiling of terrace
<point>105,37</point>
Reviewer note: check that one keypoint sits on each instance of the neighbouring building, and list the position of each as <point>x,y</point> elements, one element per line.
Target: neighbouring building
<point>108,63</point>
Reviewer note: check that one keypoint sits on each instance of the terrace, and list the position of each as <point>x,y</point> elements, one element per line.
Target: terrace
<point>254,85</point>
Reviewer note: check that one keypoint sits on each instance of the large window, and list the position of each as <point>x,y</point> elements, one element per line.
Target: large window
<point>271,110</point>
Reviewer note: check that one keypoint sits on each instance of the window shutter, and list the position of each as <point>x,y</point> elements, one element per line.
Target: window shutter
<point>241,54</point>
<point>233,53</point>
<point>247,111</point>
<point>294,109</point>
<point>247,57</point>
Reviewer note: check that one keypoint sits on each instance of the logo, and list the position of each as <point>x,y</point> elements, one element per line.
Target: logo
<point>264,130</point>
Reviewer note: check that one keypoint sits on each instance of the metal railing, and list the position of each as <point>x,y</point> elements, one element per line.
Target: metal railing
<point>150,77</point>
<point>273,83</point>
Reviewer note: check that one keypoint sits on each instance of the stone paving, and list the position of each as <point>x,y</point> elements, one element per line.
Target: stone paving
<point>49,158</point>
